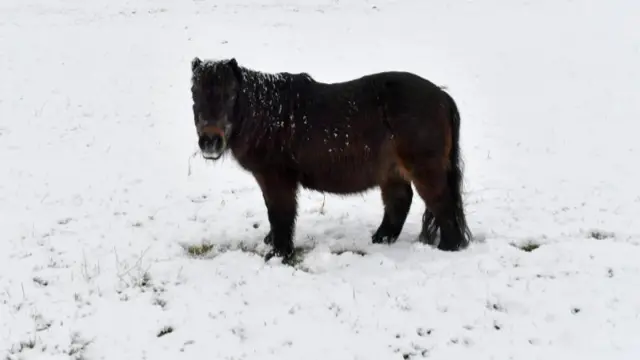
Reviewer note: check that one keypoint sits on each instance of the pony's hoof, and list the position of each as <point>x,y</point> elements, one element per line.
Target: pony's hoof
<point>288,256</point>
<point>443,246</point>
<point>269,238</point>
<point>383,239</point>
<point>431,239</point>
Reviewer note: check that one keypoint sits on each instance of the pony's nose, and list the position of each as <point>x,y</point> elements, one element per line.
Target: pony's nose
<point>210,143</point>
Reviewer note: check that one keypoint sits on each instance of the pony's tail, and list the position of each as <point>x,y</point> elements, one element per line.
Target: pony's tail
<point>455,175</point>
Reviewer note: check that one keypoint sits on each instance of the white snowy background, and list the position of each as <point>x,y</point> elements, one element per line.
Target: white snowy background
<point>101,201</point>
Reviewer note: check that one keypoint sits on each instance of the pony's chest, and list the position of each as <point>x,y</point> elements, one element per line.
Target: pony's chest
<point>258,158</point>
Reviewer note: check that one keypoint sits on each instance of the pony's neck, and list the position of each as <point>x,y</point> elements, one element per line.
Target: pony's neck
<point>263,104</point>
<point>263,94</point>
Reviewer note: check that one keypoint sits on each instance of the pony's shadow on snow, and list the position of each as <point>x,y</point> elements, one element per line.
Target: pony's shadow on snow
<point>339,243</point>
<point>209,250</point>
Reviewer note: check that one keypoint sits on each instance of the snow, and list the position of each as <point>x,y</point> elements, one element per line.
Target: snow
<point>100,195</point>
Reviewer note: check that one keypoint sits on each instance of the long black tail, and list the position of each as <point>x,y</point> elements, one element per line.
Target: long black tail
<point>455,174</point>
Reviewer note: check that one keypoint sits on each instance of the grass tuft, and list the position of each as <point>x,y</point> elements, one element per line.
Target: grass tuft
<point>600,234</point>
<point>528,246</point>
<point>199,250</point>
<point>165,330</point>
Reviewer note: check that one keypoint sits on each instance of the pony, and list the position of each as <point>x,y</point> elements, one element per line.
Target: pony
<point>386,130</point>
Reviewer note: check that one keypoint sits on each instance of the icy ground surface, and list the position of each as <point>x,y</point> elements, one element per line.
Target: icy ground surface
<point>99,198</point>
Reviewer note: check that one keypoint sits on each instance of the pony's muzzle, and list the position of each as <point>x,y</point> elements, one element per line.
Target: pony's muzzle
<point>212,145</point>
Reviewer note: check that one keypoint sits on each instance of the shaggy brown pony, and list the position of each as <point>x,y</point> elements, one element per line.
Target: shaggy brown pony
<point>385,130</point>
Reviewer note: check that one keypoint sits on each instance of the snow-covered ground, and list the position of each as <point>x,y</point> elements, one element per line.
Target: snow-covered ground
<point>101,203</point>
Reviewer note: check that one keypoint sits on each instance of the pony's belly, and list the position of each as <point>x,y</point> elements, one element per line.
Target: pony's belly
<point>338,182</point>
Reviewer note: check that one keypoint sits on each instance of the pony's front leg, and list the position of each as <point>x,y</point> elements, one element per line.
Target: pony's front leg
<point>280,195</point>
<point>268,239</point>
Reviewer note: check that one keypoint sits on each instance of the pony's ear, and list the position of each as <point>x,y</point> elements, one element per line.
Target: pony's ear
<point>233,64</point>
<point>195,63</point>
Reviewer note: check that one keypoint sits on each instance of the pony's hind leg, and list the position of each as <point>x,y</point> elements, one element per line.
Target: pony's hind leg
<point>396,197</point>
<point>429,231</point>
<point>431,182</point>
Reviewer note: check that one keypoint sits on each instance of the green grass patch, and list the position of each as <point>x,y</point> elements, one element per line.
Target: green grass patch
<point>199,250</point>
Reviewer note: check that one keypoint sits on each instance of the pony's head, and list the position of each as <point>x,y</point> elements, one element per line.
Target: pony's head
<point>215,86</point>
